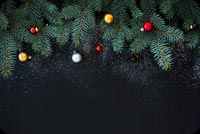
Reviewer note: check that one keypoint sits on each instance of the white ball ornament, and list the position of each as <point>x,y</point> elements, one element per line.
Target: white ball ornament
<point>76,57</point>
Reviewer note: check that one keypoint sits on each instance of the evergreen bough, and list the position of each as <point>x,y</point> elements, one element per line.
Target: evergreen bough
<point>171,21</point>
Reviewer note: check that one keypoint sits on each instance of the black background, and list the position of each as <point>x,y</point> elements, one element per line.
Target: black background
<point>105,93</point>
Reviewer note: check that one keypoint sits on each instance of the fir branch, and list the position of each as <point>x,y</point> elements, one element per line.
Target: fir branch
<point>136,31</point>
<point>21,33</point>
<point>50,12</point>
<point>3,21</point>
<point>118,42</point>
<point>20,25</point>
<point>192,40</point>
<point>68,2</point>
<point>157,21</point>
<point>188,10</point>
<point>50,31</point>
<point>148,7</point>
<point>81,25</point>
<point>106,4</point>
<point>7,54</point>
<point>135,11</point>
<point>70,12</point>
<point>79,31</point>
<point>42,45</point>
<point>128,33</point>
<point>8,7</point>
<point>94,5</point>
<point>171,34</point>
<point>169,8</point>
<point>166,6</point>
<point>193,9</point>
<point>108,33</point>
<point>139,44</point>
<point>48,7</point>
<point>33,12</point>
<point>162,53</point>
<point>63,34</point>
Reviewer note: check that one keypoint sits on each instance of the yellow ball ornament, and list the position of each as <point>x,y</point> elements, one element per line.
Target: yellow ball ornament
<point>108,18</point>
<point>23,57</point>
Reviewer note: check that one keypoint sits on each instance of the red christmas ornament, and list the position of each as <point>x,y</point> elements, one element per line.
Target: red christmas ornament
<point>148,26</point>
<point>99,48</point>
<point>33,30</point>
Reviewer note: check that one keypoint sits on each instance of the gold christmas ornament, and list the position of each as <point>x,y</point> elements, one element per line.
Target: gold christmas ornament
<point>23,57</point>
<point>108,18</point>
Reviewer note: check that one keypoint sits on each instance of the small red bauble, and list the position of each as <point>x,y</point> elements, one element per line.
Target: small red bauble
<point>148,26</point>
<point>33,30</point>
<point>99,48</point>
